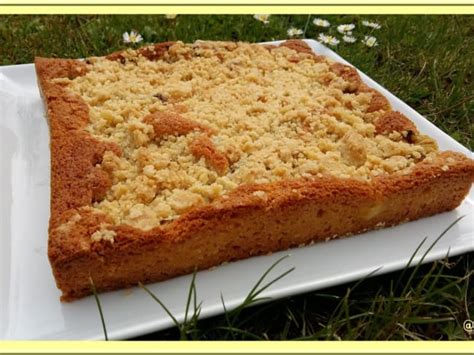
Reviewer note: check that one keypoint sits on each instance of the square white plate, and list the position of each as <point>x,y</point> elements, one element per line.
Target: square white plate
<point>29,300</point>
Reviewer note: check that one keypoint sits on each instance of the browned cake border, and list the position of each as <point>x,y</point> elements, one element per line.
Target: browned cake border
<point>290,213</point>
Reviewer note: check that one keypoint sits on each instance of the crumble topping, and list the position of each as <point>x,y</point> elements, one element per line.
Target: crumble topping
<point>210,116</point>
<point>260,194</point>
<point>66,227</point>
<point>103,234</point>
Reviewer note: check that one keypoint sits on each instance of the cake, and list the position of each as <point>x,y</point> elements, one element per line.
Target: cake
<point>175,157</point>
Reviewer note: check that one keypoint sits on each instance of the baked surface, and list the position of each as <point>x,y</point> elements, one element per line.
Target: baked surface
<point>177,156</point>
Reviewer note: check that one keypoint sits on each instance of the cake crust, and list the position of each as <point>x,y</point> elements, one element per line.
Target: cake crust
<point>253,219</point>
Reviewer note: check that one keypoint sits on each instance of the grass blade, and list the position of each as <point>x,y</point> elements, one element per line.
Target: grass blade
<point>175,321</point>
<point>232,316</point>
<point>97,301</point>
<point>265,275</point>
<point>415,270</point>
<point>190,296</point>
<point>407,266</point>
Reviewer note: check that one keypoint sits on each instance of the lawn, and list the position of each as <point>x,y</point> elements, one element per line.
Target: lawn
<point>427,61</point>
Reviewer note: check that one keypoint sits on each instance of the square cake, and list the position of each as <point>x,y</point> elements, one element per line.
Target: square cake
<point>175,157</point>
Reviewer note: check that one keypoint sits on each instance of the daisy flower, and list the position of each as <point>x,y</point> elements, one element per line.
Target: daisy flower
<point>349,39</point>
<point>133,37</point>
<point>370,41</point>
<point>170,16</point>
<point>262,18</point>
<point>373,25</point>
<point>346,29</point>
<point>327,39</point>
<point>293,32</point>
<point>321,23</point>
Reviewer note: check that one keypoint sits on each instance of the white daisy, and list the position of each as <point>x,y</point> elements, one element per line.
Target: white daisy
<point>327,39</point>
<point>133,37</point>
<point>262,18</point>
<point>346,29</point>
<point>293,32</point>
<point>349,39</point>
<point>373,25</point>
<point>370,41</point>
<point>321,23</point>
<point>170,16</point>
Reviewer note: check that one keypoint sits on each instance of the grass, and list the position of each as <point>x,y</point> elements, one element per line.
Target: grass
<point>99,307</point>
<point>426,302</point>
<point>230,326</point>
<point>425,60</point>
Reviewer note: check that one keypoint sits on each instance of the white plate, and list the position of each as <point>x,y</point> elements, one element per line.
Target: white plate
<point>29,300</point>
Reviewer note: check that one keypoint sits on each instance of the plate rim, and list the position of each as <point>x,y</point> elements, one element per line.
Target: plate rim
<point>134,329</point>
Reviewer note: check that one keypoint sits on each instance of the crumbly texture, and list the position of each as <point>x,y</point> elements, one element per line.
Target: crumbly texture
<point>209,117</point>
<point>178,156</point>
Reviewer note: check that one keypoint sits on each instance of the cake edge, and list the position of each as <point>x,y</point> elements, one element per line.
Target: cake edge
<point>282,213</point>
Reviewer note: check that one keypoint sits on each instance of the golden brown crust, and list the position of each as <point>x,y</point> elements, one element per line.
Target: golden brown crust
<point>202,146</point>
<point>292,213</point>
<point>349,74</point>
<point>74,181</point>
<point>297,45</point>
<point>394,121</point>
<point>171,123</point>
<point>251,220</point>
<point>153,52</point>
<point>300,47</point>
<point>378,101</point>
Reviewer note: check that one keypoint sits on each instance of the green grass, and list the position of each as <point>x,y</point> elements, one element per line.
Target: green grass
<point>427,61</point>
<point>430,307</point>
<point>426,302</point>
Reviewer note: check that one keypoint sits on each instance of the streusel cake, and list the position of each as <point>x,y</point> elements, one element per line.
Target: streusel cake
<point>181,156</point>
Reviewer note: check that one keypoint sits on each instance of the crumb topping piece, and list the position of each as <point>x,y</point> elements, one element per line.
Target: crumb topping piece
<point>171,123</point>
<point>104,234</point>
<point>203,146</point>
<point>201,119</point>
